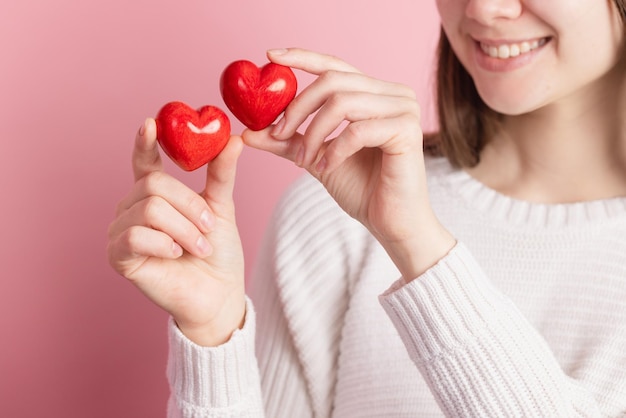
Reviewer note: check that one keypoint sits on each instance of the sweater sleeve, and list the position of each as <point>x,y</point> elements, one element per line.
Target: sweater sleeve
<point>218,381</point>
<point>282,362</point>
<point>477,352</point>
<point>225,381</point>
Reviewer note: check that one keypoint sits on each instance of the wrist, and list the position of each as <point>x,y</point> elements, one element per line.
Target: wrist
<point>414,255</point>
<point>218,332</point>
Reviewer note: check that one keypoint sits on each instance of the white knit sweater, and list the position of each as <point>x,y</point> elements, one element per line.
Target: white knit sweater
<point>525,317</point>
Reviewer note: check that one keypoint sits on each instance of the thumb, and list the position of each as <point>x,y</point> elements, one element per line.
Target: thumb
<point>220,176</point>
<point>146,158</point>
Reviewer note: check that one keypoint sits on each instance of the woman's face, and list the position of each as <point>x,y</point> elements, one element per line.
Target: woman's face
<point>524,55</point>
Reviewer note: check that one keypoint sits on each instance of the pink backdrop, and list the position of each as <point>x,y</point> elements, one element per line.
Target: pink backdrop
<point>76,80</point>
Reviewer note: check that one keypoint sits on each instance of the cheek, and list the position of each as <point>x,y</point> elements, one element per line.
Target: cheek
<point>451,12</point>
<point>444,6</point>
<point>591,47</point>
<point>461,44</point>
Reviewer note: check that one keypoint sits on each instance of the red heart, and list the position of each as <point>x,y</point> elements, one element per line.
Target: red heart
<point>191,138</point>
<point>256,96</point>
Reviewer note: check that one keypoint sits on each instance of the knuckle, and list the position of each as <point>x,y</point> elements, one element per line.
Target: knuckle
<point>194,203</point>
<point>338,152</point>
<point>353,133</point>
<point>353,136</point>
<point>153,181</point>
<point>330,77</point>
<point>130,238</point>
<point>413,107</point>
<point>123,245</point>
<point>336,101</point>
<point>408,91</point>
<point>417,111</point>
<point>410,119</point>
<point>411,125</point>
<point>333,62</point>
<point>152,207</point>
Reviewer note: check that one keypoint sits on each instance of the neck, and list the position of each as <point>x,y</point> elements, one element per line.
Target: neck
<point>569,151</point>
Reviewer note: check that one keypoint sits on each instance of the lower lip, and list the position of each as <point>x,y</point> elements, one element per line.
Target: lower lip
<point>499,65</point>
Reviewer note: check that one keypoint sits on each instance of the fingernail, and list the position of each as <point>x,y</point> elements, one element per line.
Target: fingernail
<point>300,157</point>
<point>278,51</point>
<point>278,128</point>
<point>177,250</point>
<point>204,246</point>
<point>142,128</point>
<point>207,220</point>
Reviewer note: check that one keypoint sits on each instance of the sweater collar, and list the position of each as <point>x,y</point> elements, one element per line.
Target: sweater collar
<point>502,208</point>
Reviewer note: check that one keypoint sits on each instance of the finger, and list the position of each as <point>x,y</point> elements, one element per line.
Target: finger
<point>395,136</point>
<point>325,86</point>
<point>351,107</point>
<point>146,158</point>
<point>130,248</point>
<point>309,61</point>
<point>264,141</point>
<point>186,201</point>
<point>156,213</point>
<point>220,178</point>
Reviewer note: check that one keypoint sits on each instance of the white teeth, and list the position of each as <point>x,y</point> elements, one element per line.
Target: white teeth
<point>524,47</point>
<point>505,51</point>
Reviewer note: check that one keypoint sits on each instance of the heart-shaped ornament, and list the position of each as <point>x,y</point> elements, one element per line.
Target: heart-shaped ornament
<point>190,137</point>
<point>256,96</point>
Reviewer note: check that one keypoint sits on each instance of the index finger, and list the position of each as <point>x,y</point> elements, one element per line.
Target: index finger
<point>309,61</point>
<point>146,157</point>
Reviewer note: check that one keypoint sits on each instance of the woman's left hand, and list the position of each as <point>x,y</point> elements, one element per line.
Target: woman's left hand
<point>373,166</point>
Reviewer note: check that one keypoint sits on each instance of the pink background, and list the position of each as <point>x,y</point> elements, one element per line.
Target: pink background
<point>76,80</point>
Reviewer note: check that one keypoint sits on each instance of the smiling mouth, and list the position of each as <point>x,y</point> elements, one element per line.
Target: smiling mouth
<point>512,50</point>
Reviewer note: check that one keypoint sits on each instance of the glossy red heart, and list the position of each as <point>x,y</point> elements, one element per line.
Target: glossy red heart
<point>190,137</point>
<point>256,96</point>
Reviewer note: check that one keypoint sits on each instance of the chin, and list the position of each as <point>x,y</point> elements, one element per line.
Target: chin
<point>511,105</point>
<point>514,98</point>
<point>512,109</point>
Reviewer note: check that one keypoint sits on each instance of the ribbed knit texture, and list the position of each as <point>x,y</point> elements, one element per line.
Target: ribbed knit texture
<point>525,317</point>
<point>231,388</point>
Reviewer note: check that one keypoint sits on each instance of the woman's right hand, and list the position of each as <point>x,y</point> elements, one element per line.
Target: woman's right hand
<point>181,248</point>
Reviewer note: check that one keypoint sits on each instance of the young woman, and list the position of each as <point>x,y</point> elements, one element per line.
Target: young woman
<point>487,278</point>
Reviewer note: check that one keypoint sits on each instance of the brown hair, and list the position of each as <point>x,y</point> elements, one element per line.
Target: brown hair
<point>465,121</point>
